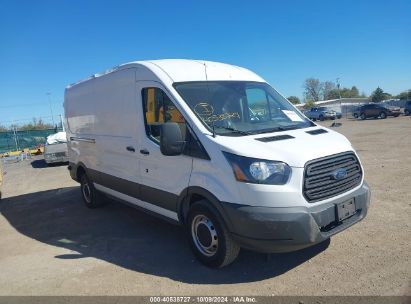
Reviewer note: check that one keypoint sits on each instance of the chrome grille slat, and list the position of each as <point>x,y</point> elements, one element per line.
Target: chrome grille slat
<point>328,181</point>
<point>327,174</point>
<point>319,183</point>
<point>326,165</point>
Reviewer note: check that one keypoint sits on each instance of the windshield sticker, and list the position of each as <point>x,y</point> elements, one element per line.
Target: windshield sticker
<point>292,115</point>
<point>219,117</point>
<point>206,112</point>
<point>204,108</point>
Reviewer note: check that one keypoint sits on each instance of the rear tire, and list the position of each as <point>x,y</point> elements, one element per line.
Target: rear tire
<point>91,197</point>
<point>406,112</point>
<point>355,115</point>
<point>209,239</point>
<point>321,118</point>
<point>362,116</point>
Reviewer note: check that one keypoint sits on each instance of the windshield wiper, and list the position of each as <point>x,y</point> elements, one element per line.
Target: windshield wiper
<point>234,130</point>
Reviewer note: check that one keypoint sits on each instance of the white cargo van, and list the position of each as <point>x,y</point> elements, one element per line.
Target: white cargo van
<point>215,148</point>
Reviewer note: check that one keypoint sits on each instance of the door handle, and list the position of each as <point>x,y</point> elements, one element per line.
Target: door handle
<point>144,151</point>
<point>131,149</point>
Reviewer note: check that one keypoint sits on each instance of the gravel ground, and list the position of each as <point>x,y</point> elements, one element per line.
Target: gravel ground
<point>50,244</point>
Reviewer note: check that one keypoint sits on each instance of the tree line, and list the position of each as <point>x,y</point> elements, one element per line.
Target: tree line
<point>315,90</point>
<point>35,124</point>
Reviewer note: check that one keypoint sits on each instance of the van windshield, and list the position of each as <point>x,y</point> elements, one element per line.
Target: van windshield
<point>240,107</point>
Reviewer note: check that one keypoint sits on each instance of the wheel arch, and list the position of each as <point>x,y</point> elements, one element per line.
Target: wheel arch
<point>194,194</point>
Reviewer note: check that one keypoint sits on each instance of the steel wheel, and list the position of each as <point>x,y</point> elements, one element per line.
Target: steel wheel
<point>91,197</point>
<point>204,235</point>
<point>86,192</point>
<point>209,238</point>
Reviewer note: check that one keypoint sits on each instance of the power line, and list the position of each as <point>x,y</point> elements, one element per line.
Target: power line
<point>27,105</point>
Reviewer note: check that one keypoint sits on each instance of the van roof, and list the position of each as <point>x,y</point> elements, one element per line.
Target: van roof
<point>181,70</point>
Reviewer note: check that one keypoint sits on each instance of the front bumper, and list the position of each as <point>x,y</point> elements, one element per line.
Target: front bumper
<point>267,229</point>
<point>50,159</point>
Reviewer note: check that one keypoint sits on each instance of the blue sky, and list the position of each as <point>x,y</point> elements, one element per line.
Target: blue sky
<point>45,45</point>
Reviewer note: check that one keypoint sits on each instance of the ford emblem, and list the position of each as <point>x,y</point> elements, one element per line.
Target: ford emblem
<point>339,174</point>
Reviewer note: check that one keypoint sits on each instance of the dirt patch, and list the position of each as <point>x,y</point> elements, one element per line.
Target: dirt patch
<point>51,244</point>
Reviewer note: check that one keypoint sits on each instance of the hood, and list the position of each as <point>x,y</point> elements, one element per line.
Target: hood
<point>296,150</point>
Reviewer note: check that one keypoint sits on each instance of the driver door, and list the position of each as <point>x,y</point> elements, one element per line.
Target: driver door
<point>163,178</point>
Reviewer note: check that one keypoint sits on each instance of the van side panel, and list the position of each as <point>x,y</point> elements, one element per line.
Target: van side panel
<point>102,122</point>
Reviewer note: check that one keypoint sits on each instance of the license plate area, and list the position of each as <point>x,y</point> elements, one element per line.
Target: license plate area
<point>345,210</point>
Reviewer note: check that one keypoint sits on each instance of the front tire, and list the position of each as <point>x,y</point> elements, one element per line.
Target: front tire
<point>91,197</point>
<point>407,112</point>
<point>209,239</point>
<point>355,115</point>
<point>321,118</point>
<point>383,115</point>
<point>362,116</point>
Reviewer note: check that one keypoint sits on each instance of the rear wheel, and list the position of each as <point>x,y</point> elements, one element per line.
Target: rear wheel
<point>209,239</point>
<point>407,112</point>
<point>362,116</point>
<point>321,117</point>
<point>383,115</point>
<point>91,197</point>
<point>355,115</point>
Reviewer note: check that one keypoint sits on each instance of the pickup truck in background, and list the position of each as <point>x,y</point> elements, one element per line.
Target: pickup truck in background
<point>321,113</point>
<point>407,108</point>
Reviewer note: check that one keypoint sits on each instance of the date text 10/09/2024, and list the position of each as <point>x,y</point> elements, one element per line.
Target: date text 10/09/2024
<point>199,299</point>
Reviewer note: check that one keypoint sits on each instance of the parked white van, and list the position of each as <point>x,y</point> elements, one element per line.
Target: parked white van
<point>215,148</point>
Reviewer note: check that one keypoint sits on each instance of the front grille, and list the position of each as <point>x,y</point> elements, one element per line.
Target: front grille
<point>319,182</point>
<point>60,154</point>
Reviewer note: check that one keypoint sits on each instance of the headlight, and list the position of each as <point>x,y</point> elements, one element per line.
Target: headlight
<point>258,171</point>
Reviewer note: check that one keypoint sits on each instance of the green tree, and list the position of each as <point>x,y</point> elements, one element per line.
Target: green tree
<point>330,90</point>
<point>313,89</point>
<point>354,92</point>
<point>36,124</point>
<point>378,95</point>
<point>404,95</point>
<point>294,99</point>
<point>309,104</point>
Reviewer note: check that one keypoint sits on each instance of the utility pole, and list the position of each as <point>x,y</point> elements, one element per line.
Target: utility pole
<point>339,94</point>
<point>15,136</point>
<point>62,123</point>
<point>51,108</point>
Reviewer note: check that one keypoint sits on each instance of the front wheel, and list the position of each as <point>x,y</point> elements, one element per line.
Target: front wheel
<point>355,115</point>
<point>407,112</point>
<point>321,118</point>
<point>362,116</point>
<point>209,239</point>
<point>383,115</point>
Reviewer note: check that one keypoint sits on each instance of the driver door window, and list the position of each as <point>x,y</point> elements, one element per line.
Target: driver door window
<point>158,109</point>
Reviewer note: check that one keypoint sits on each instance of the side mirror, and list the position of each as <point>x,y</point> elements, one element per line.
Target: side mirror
<point>172,138</point>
